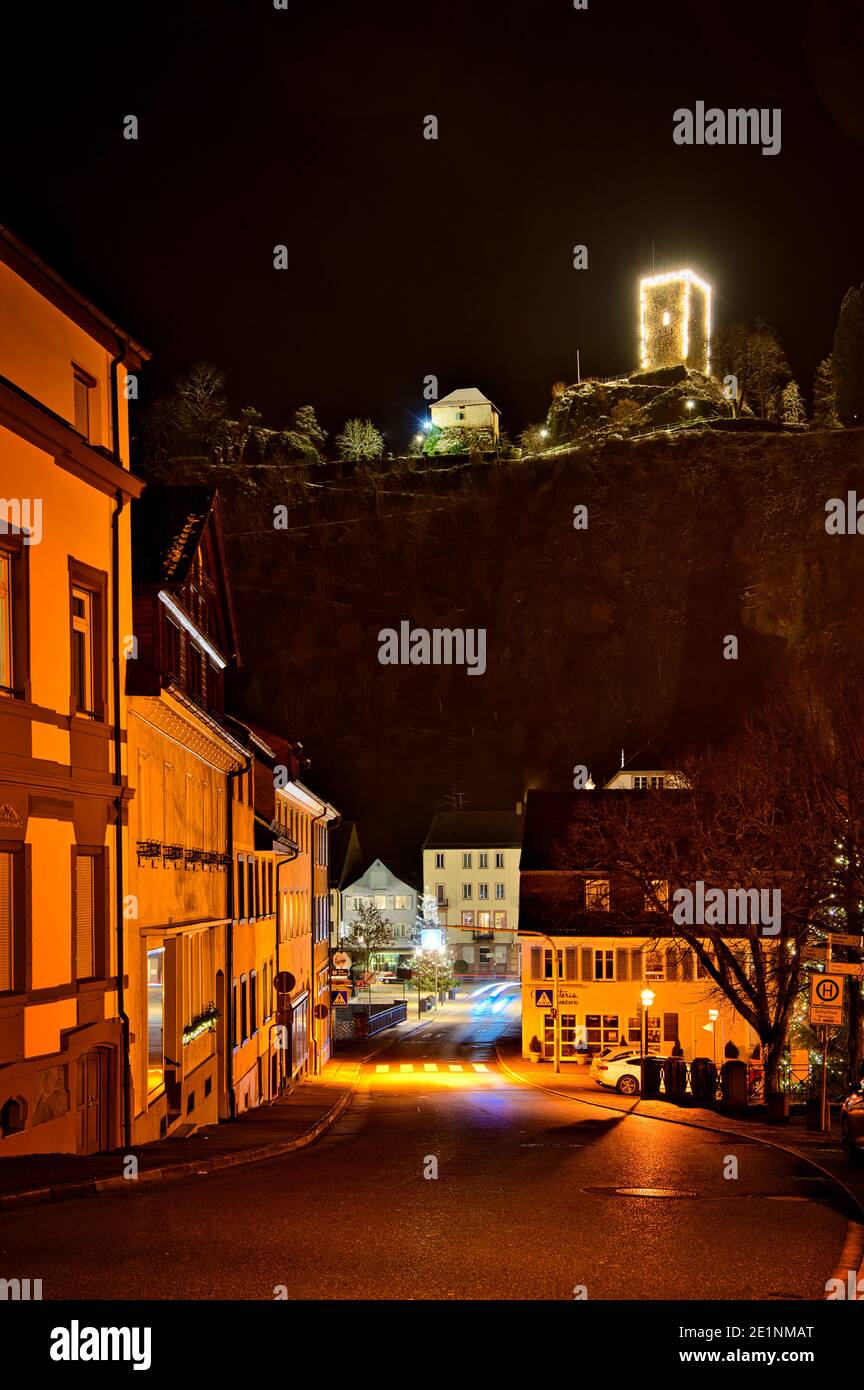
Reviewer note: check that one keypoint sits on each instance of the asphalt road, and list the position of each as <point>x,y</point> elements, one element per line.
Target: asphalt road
<point>535,1197</point>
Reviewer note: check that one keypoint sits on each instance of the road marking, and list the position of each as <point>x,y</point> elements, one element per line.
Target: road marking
<point>454,1066</point>
<point>430,1066</point>
<point>479,1066</point>
<point>407,1066</point>
<point>383,1066</point>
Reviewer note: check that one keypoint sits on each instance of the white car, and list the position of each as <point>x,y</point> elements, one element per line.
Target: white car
<point>623,1074</point>
<point>610,1054</point>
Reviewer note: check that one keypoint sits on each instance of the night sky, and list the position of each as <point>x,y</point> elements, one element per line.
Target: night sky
<point>408,256</point>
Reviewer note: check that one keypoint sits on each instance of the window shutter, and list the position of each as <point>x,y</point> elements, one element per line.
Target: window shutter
<point>536,963</point>
<point>587,964</point>
<point>637,965</point>
<point>82,406</point>
<point>622,957</point>
<point>85,917</point>
<point>7,961</point>
<point>670,1028</point>
<point>570,963</point>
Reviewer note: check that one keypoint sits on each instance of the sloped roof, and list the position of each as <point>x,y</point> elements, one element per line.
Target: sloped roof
<point>474,830</point>
<point>465,395</point>
<point>167,524</point>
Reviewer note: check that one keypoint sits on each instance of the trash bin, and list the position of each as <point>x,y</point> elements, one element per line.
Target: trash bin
<point>733,1082</point>
<point>703,1080</point>
<point>675,1077</point>
<point>779,1107</point>
<point>653,1071</point>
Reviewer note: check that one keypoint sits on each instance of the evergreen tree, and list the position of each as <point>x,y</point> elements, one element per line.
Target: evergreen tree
<point>792,404</point>
<point>305,425</point>
<point>824,400</point>
<point>847,361</point>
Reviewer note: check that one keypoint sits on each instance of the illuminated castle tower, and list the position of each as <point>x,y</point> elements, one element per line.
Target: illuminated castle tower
<point>675,321</point>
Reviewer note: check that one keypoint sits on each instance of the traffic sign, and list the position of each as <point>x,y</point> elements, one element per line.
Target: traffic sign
<point>842,967</point>
<point>341,960</point>
<point>842,939</point>
<point>826,991</point>
<point>815,953</point>
<point>826,1000</point>
<point>338,998</point>
<point>543,998</point>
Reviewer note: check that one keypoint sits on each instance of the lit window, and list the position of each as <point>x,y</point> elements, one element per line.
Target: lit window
<point>483,892</point>
<point>667,318</point>
<point>597,894</point>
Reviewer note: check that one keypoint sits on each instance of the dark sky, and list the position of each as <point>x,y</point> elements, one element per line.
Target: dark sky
<point>410,257</point>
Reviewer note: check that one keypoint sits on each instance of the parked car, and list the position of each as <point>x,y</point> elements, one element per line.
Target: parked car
<point>622,1074</point>
<point>610,1054</point>
<point>852,1124</point>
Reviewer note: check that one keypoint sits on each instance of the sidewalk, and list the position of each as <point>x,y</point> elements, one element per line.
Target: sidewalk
<point>289,1123</point>
<point>817,1148</point>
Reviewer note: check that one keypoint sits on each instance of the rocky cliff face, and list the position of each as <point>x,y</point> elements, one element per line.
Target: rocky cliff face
<point>597,638</point>
<point>639,401</point>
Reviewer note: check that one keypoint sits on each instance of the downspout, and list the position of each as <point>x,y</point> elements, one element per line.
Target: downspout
<point>280,864</point>
<point>313,980</point>
<point>119,501</point>
<point>229,939</point>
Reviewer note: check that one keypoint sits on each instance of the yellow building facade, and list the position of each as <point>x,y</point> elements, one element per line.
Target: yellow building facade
<point>65,609</point>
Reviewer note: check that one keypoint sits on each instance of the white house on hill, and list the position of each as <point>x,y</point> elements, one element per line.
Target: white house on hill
<point>466,408</point>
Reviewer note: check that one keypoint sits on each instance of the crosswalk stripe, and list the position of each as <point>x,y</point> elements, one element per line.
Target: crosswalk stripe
<point>480,1066</point>
<point>383,1066</point>
<point>454,1066</point>
<point>430,1066</point>
<point>407,1066</point>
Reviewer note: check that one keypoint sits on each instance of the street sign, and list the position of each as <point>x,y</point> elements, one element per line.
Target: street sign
<point>341,961</point>
<point>841,939</point>
<point>338,998</point>
<point>826,1000</point>
<point>284,982</point>
<point>543,999</point>
<point>815,953</point>
<point>841,967</point>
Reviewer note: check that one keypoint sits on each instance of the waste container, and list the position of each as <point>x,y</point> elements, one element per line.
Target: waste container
<point>733,1082</point>
<point>675,1077</point>
<point>779,1107</point>
<point>703,1080</point>
<point>653,1071</point>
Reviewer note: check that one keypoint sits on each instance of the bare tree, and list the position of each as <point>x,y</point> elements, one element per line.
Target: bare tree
<point>754,819</point>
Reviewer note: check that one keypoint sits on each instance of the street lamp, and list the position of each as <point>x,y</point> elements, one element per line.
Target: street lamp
<point>556,1033</point>
<point>647,1001</point>
<point>714,1014</point>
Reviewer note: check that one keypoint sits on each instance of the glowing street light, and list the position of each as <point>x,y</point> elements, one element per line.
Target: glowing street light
<point>647,1001</point>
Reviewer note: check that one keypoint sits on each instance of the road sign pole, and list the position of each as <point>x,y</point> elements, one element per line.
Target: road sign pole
<point>824,1120</point>
<point>556,1022</point>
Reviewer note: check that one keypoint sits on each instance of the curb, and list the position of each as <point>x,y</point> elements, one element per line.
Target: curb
<point>177,1172</point>
<point>853,1247</point>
